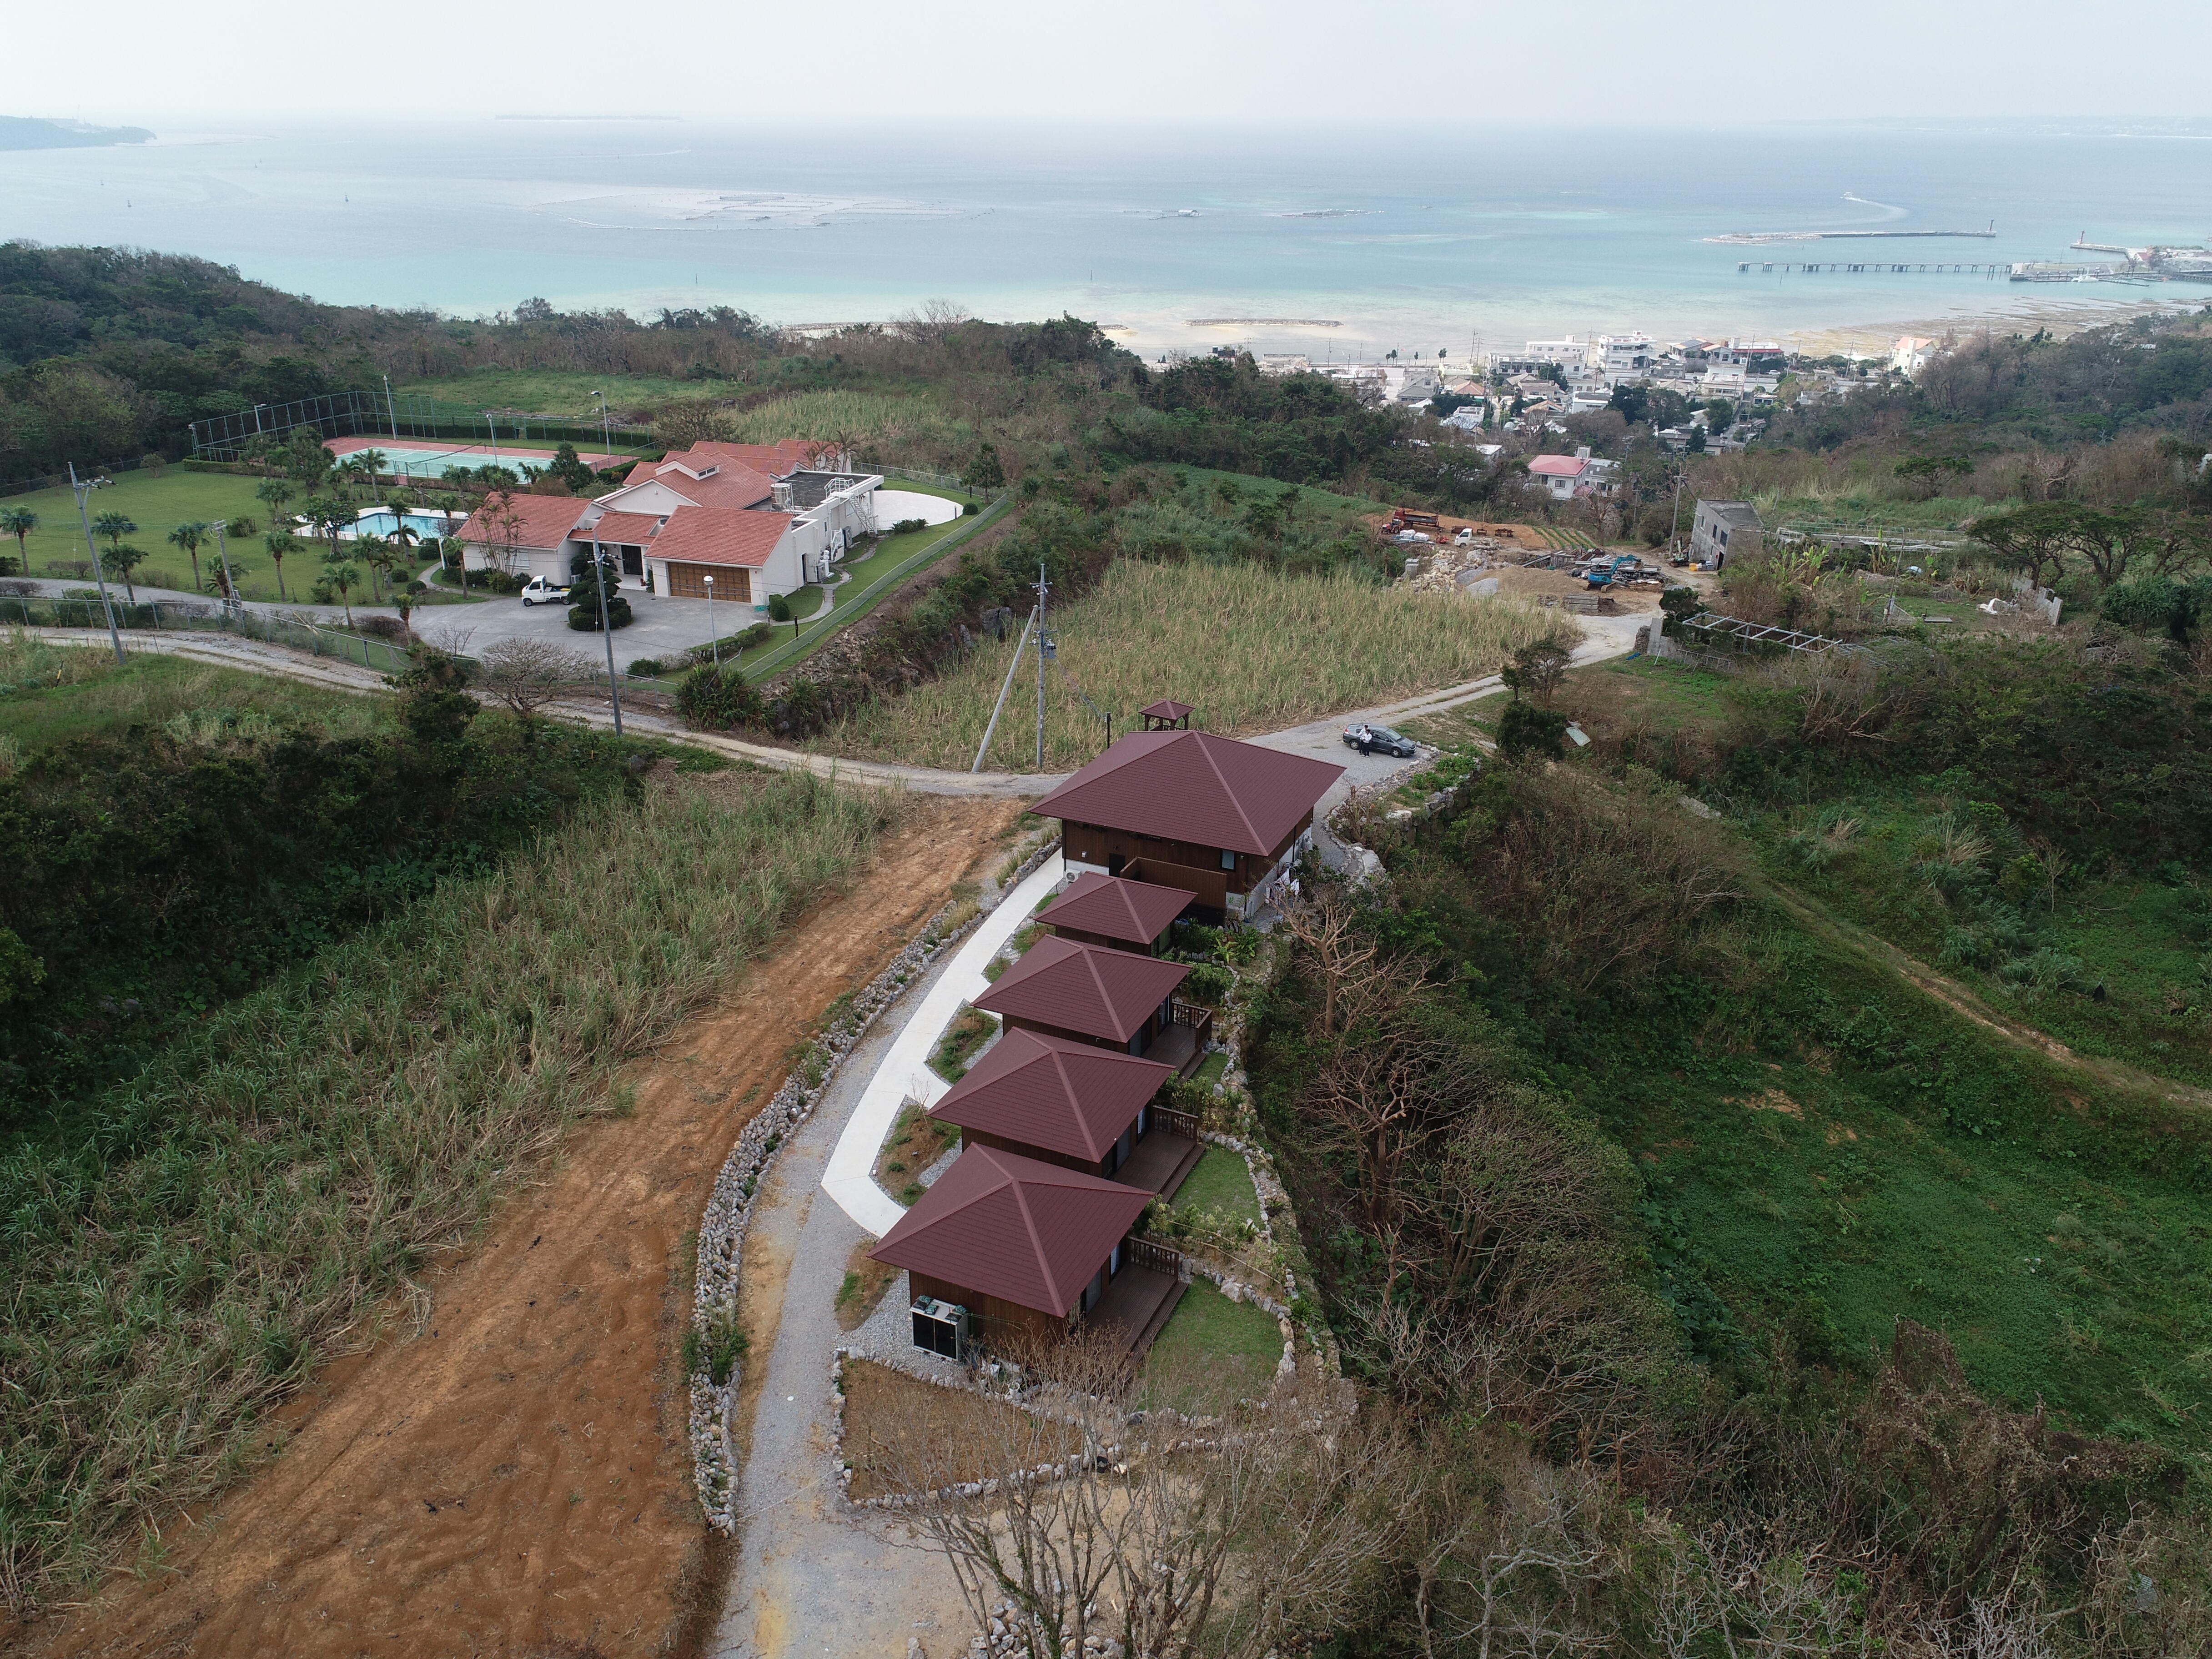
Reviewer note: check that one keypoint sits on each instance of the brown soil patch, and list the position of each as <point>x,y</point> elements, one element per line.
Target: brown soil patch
<point>516,1479</point>
<point>1772,1100</point>
<point>894,1420</point>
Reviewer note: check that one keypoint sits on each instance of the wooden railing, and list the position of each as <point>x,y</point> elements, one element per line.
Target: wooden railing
<point>1167,1120</point>
<point>1145,1252</point>
<point>1197,1016</point>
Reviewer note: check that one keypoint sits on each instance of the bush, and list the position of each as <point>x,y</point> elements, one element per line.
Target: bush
<point>1524,729</point>
<point>718,698</point>
<point>970,510</point>
<point>585,618</point>
<point>644,668</point>
<point>751,634</point>
<point>498,581</point>
<point>779,608</point>
<point>385,628</point>
<point>908,527</point>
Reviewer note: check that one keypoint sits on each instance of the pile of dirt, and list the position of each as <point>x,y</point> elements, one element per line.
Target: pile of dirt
<point>508,1472</point>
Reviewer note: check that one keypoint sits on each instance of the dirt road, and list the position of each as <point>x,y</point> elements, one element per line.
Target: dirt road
<point>511,1476</point>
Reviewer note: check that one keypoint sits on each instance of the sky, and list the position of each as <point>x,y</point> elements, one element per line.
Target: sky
<point>1423,63</point>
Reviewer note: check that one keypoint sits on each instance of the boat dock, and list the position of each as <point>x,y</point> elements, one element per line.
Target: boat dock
<point>1813,267</point>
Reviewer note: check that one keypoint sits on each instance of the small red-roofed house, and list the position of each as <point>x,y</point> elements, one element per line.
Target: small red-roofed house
<point>1112,998</point>
<point>1116,911</point>
<point>1030,1252</point>
<point>1077,1105</point>
<point>1222,820</point>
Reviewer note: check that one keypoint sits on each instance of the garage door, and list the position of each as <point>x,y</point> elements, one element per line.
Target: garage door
<point>689,581</point>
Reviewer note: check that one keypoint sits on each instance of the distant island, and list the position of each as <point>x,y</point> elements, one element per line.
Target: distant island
<point>37,132</point>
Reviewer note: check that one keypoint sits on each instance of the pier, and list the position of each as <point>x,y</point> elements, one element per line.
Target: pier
<point>1813,267</point>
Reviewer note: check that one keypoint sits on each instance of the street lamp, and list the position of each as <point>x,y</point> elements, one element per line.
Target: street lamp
<point>606,427</point>
<point>82,488</point>
<point>717,638</point>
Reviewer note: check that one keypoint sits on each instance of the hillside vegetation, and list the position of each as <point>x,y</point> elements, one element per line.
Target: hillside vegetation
<point>181,1253</point>
<point>1252,649</point>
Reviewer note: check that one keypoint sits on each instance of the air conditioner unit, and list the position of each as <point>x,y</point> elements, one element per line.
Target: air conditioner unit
<point>940,1326</point>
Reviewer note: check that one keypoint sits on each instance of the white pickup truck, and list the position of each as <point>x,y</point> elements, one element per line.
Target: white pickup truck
<point>544,590</point>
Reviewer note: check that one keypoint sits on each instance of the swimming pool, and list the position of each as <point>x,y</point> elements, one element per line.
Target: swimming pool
<point>383,521</point>
<point>403,460</point>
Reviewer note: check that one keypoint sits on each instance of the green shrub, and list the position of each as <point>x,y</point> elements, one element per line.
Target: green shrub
<point>714,699</point>
<point>779,608</point>
<point>585,618</point>
<point>644,668</point>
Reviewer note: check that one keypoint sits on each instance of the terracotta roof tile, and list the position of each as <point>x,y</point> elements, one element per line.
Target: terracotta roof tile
<point>627,527</point>
<point>539,522</point>
<point>1194,786</point>
<point>1116,908</point>
<point>1029,1233</point>
<point>717,535</point>
<point>1069,1098</point>
<point>1084,988</point>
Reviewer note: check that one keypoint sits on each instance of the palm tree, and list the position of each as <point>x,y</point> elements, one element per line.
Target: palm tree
<point>18,522</point>
<point>404,596</point>
<point>341,578</point>
<point>368,464</point>
<point>279,543</point>
<point>275,492</point>
<point>376,553</point>
<point>189,535</point>
<point>121,560</point>
<point>113,525</point>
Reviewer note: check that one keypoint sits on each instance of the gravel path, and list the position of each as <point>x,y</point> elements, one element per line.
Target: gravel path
<point>810,1577</point>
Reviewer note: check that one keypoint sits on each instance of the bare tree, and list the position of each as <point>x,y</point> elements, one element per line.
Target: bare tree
<point>526,674</point>
<point>1094,1509</point>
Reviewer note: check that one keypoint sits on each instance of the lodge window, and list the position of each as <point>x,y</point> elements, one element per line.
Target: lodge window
<point>1229,860</point>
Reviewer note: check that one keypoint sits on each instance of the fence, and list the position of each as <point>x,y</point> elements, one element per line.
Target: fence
<point>171,616</point>
<point>396,417</point>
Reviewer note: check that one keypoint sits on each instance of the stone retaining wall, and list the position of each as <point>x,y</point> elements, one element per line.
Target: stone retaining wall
<point>729,1206</point>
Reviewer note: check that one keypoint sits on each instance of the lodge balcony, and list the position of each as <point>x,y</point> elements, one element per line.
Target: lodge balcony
<point>1139,1299</point>
<point>1183,1042</point>
<point>1164,1154</point>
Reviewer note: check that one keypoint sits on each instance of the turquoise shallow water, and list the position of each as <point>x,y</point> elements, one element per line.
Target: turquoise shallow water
<point>1412,239</point>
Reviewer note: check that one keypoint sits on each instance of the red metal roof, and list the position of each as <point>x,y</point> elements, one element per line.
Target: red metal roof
<point>1194,786</point>
<point>1029,1233</point>
<point>1167,709</point>
<point>538,521</point>
<point>1559,467</point>
<point>1115,907</point>
<point>1046,1092</point>
<point>721,535</point>
<point>1084,988</point>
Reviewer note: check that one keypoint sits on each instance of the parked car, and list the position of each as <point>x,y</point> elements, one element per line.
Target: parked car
<point>1367,739</point>
<point>544,590</point>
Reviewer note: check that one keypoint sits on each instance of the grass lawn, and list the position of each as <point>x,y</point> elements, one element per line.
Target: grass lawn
<point>158,506</point>
<point>1252,649</point>
<point>916,1141</point>
<point>1221,1184</point>
<point>58,692</point>
<point>869,578</point>
<point>1221,1349</point>
<point>1252,489</point>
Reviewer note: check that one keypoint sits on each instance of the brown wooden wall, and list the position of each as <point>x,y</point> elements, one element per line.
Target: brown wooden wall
<point>1096,1166</point>
<point>1022,1023</point>
<point>1196,869</point>
<point>1105,942</point>
<point>989,1318</point>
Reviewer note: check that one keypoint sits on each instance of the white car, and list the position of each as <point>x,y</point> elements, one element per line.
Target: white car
<point>544,590</point>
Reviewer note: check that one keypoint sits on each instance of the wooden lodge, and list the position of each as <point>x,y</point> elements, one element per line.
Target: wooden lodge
<point>1116,913</point>
<point>1029,1250</point>
<point>1172,807</point>
<point>1076,1105</point>
<point>1108,999</point>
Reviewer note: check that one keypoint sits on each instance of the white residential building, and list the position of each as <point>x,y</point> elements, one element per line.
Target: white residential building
<point>1624,357</point>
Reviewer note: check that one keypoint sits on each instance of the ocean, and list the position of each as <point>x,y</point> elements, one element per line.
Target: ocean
<point>1407,233</point>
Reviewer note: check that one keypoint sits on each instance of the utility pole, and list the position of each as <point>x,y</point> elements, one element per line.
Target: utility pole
<point>492,427</point>
<point>390,409</point>
<point>1674,528</point>
<point>599,582</point>
<point>1043,647</point>
<point>606,426</point>
<point>82,490</point>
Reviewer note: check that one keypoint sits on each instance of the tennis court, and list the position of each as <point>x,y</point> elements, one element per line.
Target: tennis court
<point>421,460</point>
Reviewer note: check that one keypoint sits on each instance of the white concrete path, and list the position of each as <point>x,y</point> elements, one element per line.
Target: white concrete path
<point>904,1074</point>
